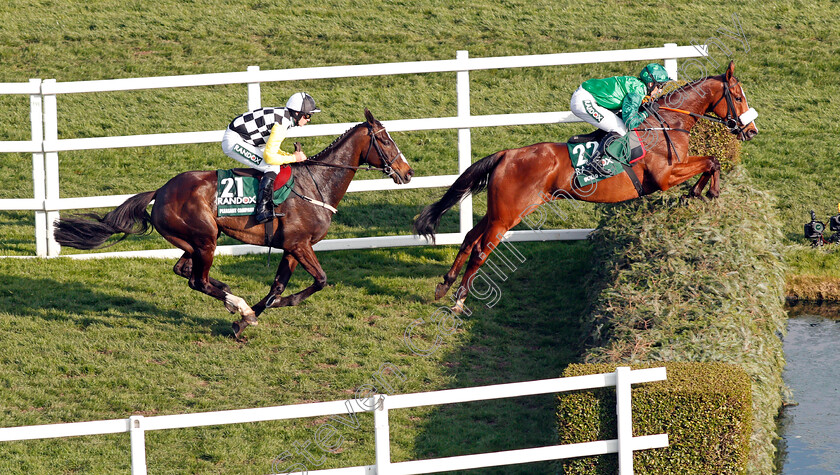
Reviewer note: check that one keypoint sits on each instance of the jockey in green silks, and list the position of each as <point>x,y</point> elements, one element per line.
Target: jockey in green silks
<point>596,101</point>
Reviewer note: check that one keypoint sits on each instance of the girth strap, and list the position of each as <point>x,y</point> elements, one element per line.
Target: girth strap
<point>633,178</point>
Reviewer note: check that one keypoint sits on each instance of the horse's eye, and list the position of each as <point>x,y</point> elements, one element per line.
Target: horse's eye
<point>739,99</point>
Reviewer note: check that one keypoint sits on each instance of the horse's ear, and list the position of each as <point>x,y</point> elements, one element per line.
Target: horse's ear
<point>369,116</point>
<point>730,71</point>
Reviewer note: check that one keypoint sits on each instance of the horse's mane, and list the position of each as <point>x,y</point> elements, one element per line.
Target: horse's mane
<point>323,153</point>
<point>685,87</point>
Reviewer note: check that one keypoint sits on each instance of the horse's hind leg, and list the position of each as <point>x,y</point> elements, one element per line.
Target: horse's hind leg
<point>470,241</point>
<point>202,260</point>
<point>184,268</point>
<point>481,252</point>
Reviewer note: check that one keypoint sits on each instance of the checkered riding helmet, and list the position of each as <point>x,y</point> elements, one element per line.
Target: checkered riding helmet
<point>301,103</point>
<point>653,74</point>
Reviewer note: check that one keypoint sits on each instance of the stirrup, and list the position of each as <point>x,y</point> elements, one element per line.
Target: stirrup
<point>265,216</point>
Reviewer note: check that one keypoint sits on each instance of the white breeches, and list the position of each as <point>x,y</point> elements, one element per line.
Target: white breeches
<point>243,152</point>
<point>584,106</point>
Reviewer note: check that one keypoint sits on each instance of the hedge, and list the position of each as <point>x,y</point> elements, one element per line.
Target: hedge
<point>705,408</point>
<point>695,281</point>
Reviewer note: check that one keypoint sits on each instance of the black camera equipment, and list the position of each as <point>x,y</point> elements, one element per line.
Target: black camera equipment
<point>814,231</point>
<point>834,225</point>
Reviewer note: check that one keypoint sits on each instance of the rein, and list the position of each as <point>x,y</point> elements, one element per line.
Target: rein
<point>374,144</point>
<point>387,169</point>
<point>665,128</point>
<point>730,121</point>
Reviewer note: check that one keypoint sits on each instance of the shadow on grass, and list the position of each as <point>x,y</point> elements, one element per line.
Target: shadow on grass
<point>84,305</point>
<point>533,332</point>
<point>368,270</point>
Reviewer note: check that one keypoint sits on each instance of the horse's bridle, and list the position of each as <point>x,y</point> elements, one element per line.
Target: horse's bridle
<point>731,121</point>
<point>735,124</point>
<point>387,168</point>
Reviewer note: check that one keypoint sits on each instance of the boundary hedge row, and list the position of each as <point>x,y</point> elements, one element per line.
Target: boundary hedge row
<point>705,408</point>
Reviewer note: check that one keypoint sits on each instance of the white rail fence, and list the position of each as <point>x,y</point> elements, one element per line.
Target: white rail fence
<point>622,379</point>
<point>45,144</point>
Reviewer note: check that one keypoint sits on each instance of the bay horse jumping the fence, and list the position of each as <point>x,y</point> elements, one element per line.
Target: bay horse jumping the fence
<point>184,213</point>
<point>518,180</point>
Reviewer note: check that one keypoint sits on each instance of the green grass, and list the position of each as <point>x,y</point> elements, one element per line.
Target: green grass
<point>105,339</point>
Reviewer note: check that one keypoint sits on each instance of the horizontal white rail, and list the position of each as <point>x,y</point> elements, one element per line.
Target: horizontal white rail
<point>510,457</point>
<point>528,388</point>
<point>622,379</point>
<point>381,69</point>
<point>346,244</point>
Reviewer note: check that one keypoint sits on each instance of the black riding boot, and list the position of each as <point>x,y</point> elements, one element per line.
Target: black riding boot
<point>265,194</point>
<point>596,164</point>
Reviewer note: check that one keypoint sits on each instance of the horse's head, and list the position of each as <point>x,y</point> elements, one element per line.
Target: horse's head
<point>383,152</point>
<point>732,106</point>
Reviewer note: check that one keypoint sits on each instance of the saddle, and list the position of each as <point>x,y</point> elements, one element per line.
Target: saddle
<point>236,190</point>
<point>283,176</point>
<point>619,155</point>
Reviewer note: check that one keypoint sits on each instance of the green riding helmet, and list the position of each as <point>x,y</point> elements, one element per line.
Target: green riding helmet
<point>654,75</point>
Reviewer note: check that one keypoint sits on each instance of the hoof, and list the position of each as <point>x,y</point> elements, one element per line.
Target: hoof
<point>240,326</point>
<point>441,289</point>
<point>237,330</point>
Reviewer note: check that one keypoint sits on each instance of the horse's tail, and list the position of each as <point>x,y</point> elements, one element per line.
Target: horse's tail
<point>90,230</point>
<point>473,180</point>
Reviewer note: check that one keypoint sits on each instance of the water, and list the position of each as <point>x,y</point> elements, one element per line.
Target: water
<point>810,431</point>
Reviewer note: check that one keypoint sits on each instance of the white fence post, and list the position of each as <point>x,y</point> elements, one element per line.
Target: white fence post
<point>51,162</point>
<point>138,445</point>
<point>382,436</point>
<point>464,138</point>
<point>624,415</point>
<point>254,95</point>
<point>36,118</point>
<point>671,63</point>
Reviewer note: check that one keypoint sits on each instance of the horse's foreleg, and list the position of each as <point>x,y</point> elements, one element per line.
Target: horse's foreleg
<point>305,255</point>
<point>693,166</point>
<point>281,279</point>
<point>714,187</point>
<point>470,241</point>
<point>713,175</point>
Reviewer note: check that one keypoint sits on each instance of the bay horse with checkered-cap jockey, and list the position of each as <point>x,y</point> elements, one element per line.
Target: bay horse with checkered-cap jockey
<point>519,180</point>
<point>185,214</point>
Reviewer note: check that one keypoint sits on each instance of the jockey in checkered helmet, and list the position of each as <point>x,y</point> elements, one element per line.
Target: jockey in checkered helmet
<point>300,105</point>
<point>254,139</point>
